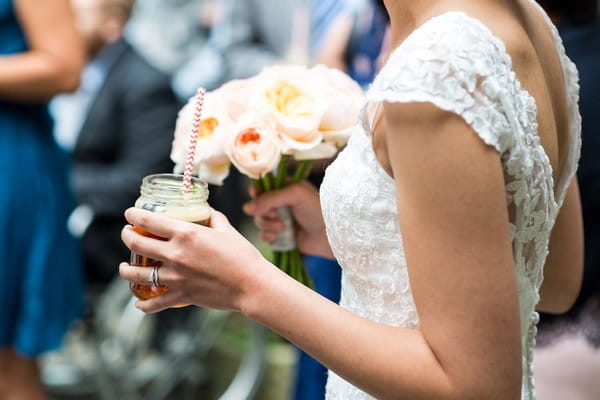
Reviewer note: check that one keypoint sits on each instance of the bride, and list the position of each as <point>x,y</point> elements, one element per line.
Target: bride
<point>453,211</point>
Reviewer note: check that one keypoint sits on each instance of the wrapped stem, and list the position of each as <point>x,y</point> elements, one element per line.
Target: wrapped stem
<point>286,239</point>
<point>285,254</point>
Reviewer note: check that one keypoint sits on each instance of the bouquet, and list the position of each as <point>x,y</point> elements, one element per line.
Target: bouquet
<point>271,127</point>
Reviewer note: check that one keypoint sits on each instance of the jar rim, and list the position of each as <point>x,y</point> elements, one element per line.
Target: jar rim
<point>170,186</point>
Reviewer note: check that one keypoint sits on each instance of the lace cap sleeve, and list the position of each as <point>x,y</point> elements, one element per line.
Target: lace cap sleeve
<point>454,62</point>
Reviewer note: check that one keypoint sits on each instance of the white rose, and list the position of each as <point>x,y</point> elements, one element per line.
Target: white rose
<point>254,148</point>
<point>286,94</point>
<point>210,161</point>
<point>214,174</point>
<point>323,150</point>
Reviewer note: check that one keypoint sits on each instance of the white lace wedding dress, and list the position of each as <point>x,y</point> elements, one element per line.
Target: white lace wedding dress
<point>456,63</point>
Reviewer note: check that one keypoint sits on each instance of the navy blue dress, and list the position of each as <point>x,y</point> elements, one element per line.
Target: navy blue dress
<point>41,289</point>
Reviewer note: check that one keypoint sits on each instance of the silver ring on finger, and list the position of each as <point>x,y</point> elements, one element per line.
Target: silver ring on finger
<point>154,277</point>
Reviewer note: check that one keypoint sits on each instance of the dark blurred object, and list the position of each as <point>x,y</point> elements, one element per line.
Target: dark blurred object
<point>572,11</point>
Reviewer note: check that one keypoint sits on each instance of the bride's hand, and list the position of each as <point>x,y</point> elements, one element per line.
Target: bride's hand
<point>207,266</point>
<point>303,200</point>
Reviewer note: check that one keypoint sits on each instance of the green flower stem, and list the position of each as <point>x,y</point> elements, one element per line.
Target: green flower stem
<point>299,172</point>
<point>302,171</point>
<point>267,181</point>
<point>285,261</point>
<point>307,279</point>
<point>259,185</point>
<point>308,169</point>
<point>291,266</point>
<point>300,267</point>
<point>282,172</point>
<point>277,258</point>
<point>295,271</point>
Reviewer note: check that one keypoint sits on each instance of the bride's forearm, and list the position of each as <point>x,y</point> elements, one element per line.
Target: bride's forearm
<point>384,361</point>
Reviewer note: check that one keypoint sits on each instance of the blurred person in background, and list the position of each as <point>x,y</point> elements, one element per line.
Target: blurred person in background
<point>368,43</point>
<point>119,126</point>
<point>568,353</point>
<point>354,41</point>
<point>40,275</point>
<point>258,33</point>
<point>177,37</point>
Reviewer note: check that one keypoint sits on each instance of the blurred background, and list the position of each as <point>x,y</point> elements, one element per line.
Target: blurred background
<point>143,61</point>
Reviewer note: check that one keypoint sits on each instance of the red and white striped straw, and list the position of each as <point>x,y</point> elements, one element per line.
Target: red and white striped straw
<point>189,162</point>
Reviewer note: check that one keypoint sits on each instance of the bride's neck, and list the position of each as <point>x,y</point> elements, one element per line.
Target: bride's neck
<point>405,16</point>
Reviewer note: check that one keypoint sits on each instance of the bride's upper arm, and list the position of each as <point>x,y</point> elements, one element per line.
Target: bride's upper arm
<point>454,223</point>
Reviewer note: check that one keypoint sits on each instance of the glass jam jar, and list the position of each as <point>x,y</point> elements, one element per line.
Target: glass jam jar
<point>162,193</point>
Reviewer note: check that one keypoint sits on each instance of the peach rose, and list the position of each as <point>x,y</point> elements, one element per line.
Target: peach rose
<point>254,148</point>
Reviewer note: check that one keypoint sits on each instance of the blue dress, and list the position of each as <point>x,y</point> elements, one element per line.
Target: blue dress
<point>41,289</point>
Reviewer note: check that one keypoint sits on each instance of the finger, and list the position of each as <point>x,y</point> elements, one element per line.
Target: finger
<point>266,202</point>
<point>268,237</point>
<point>141,275</point>
<point>159,303</point>
<point>219,221</point>
<point>252,191</point>
<point>273,214</point>
<point>157,224</point>
<point>269,224</point>
<point>141,244</point>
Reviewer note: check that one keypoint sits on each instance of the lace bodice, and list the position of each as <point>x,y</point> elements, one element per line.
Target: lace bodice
<point>456,63</point>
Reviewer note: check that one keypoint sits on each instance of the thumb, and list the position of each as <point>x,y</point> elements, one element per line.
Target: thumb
<point>273,199</point>
<point>219,221</point>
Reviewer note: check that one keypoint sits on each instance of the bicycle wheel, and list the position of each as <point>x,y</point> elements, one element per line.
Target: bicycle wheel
<point>177,354</point>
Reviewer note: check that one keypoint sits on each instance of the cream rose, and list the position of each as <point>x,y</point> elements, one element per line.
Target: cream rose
<point>235,96</point>
<point>254,148</point>
<point>343,98</point>
<point>284,93</point>
<point>323,150</point>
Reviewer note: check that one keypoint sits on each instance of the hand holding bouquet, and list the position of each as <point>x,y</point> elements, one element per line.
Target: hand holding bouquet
<point>271,127</point>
